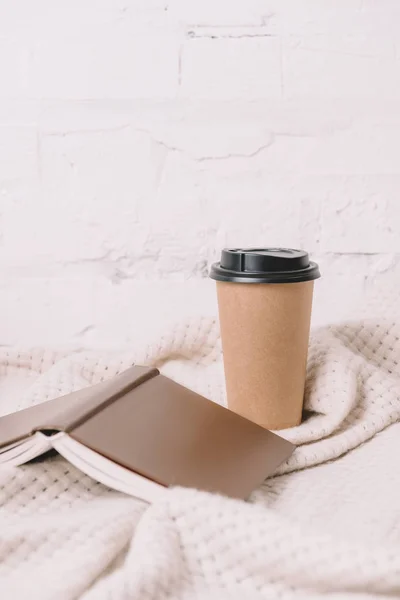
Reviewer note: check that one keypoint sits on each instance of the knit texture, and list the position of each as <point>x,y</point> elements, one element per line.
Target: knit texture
<point>330,531</point>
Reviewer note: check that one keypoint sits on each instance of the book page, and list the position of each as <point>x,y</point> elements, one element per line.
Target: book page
<point>106,471</point>
<point>22,452</point>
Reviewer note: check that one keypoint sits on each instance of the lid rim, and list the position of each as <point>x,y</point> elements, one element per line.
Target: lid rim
<point>311,273</point>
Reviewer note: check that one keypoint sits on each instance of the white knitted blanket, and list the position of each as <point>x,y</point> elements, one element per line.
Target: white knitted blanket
<point>328,525</point>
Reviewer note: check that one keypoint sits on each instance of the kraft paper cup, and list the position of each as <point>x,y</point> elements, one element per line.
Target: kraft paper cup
<point>265,300</point>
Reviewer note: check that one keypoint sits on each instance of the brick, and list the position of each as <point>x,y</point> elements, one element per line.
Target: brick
<point>213,133</point>
<point>78,311</point>
<point>14,59</point>
<point>310,17</point>
<point>263,210</point>
<point>125,66</point>
<point>231,68</point>
<point>337,68</point>
<point>62,304</point>
<point>382,283</point>
<point>369,145</point>
<point>340,292</point>
<point>46,19</point>
<point>182,223</point>
<point>92,184</point>
<point>18,153</point>
<point>19,112</point>
<point>223,12</point>
<point>359,214</point>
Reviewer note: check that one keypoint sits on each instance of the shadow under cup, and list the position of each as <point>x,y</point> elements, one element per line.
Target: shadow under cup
<point>265,301</point>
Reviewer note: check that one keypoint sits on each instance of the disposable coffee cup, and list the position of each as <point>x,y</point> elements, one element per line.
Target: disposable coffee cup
<point>265,300</point>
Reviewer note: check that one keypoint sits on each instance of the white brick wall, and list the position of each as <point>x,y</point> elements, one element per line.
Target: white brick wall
<point>138,137</point>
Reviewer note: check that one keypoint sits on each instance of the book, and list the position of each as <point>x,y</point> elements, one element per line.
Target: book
<point>141,432</point>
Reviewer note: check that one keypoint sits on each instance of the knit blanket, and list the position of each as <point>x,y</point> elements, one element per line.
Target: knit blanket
<point>327,525</point>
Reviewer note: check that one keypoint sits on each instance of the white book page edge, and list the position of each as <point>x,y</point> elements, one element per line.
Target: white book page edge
<point>26,450</point>
<point>86,460</point>
<point>13,445</point>
<point>106,471</point>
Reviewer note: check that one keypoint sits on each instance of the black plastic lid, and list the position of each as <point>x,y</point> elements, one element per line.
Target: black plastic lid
<point>264,265</point>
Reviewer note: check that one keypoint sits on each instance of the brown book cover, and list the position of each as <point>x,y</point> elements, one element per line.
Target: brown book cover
<point>142,423</point>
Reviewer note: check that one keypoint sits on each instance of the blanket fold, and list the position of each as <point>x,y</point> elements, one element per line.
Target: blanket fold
<point>328,531</point>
